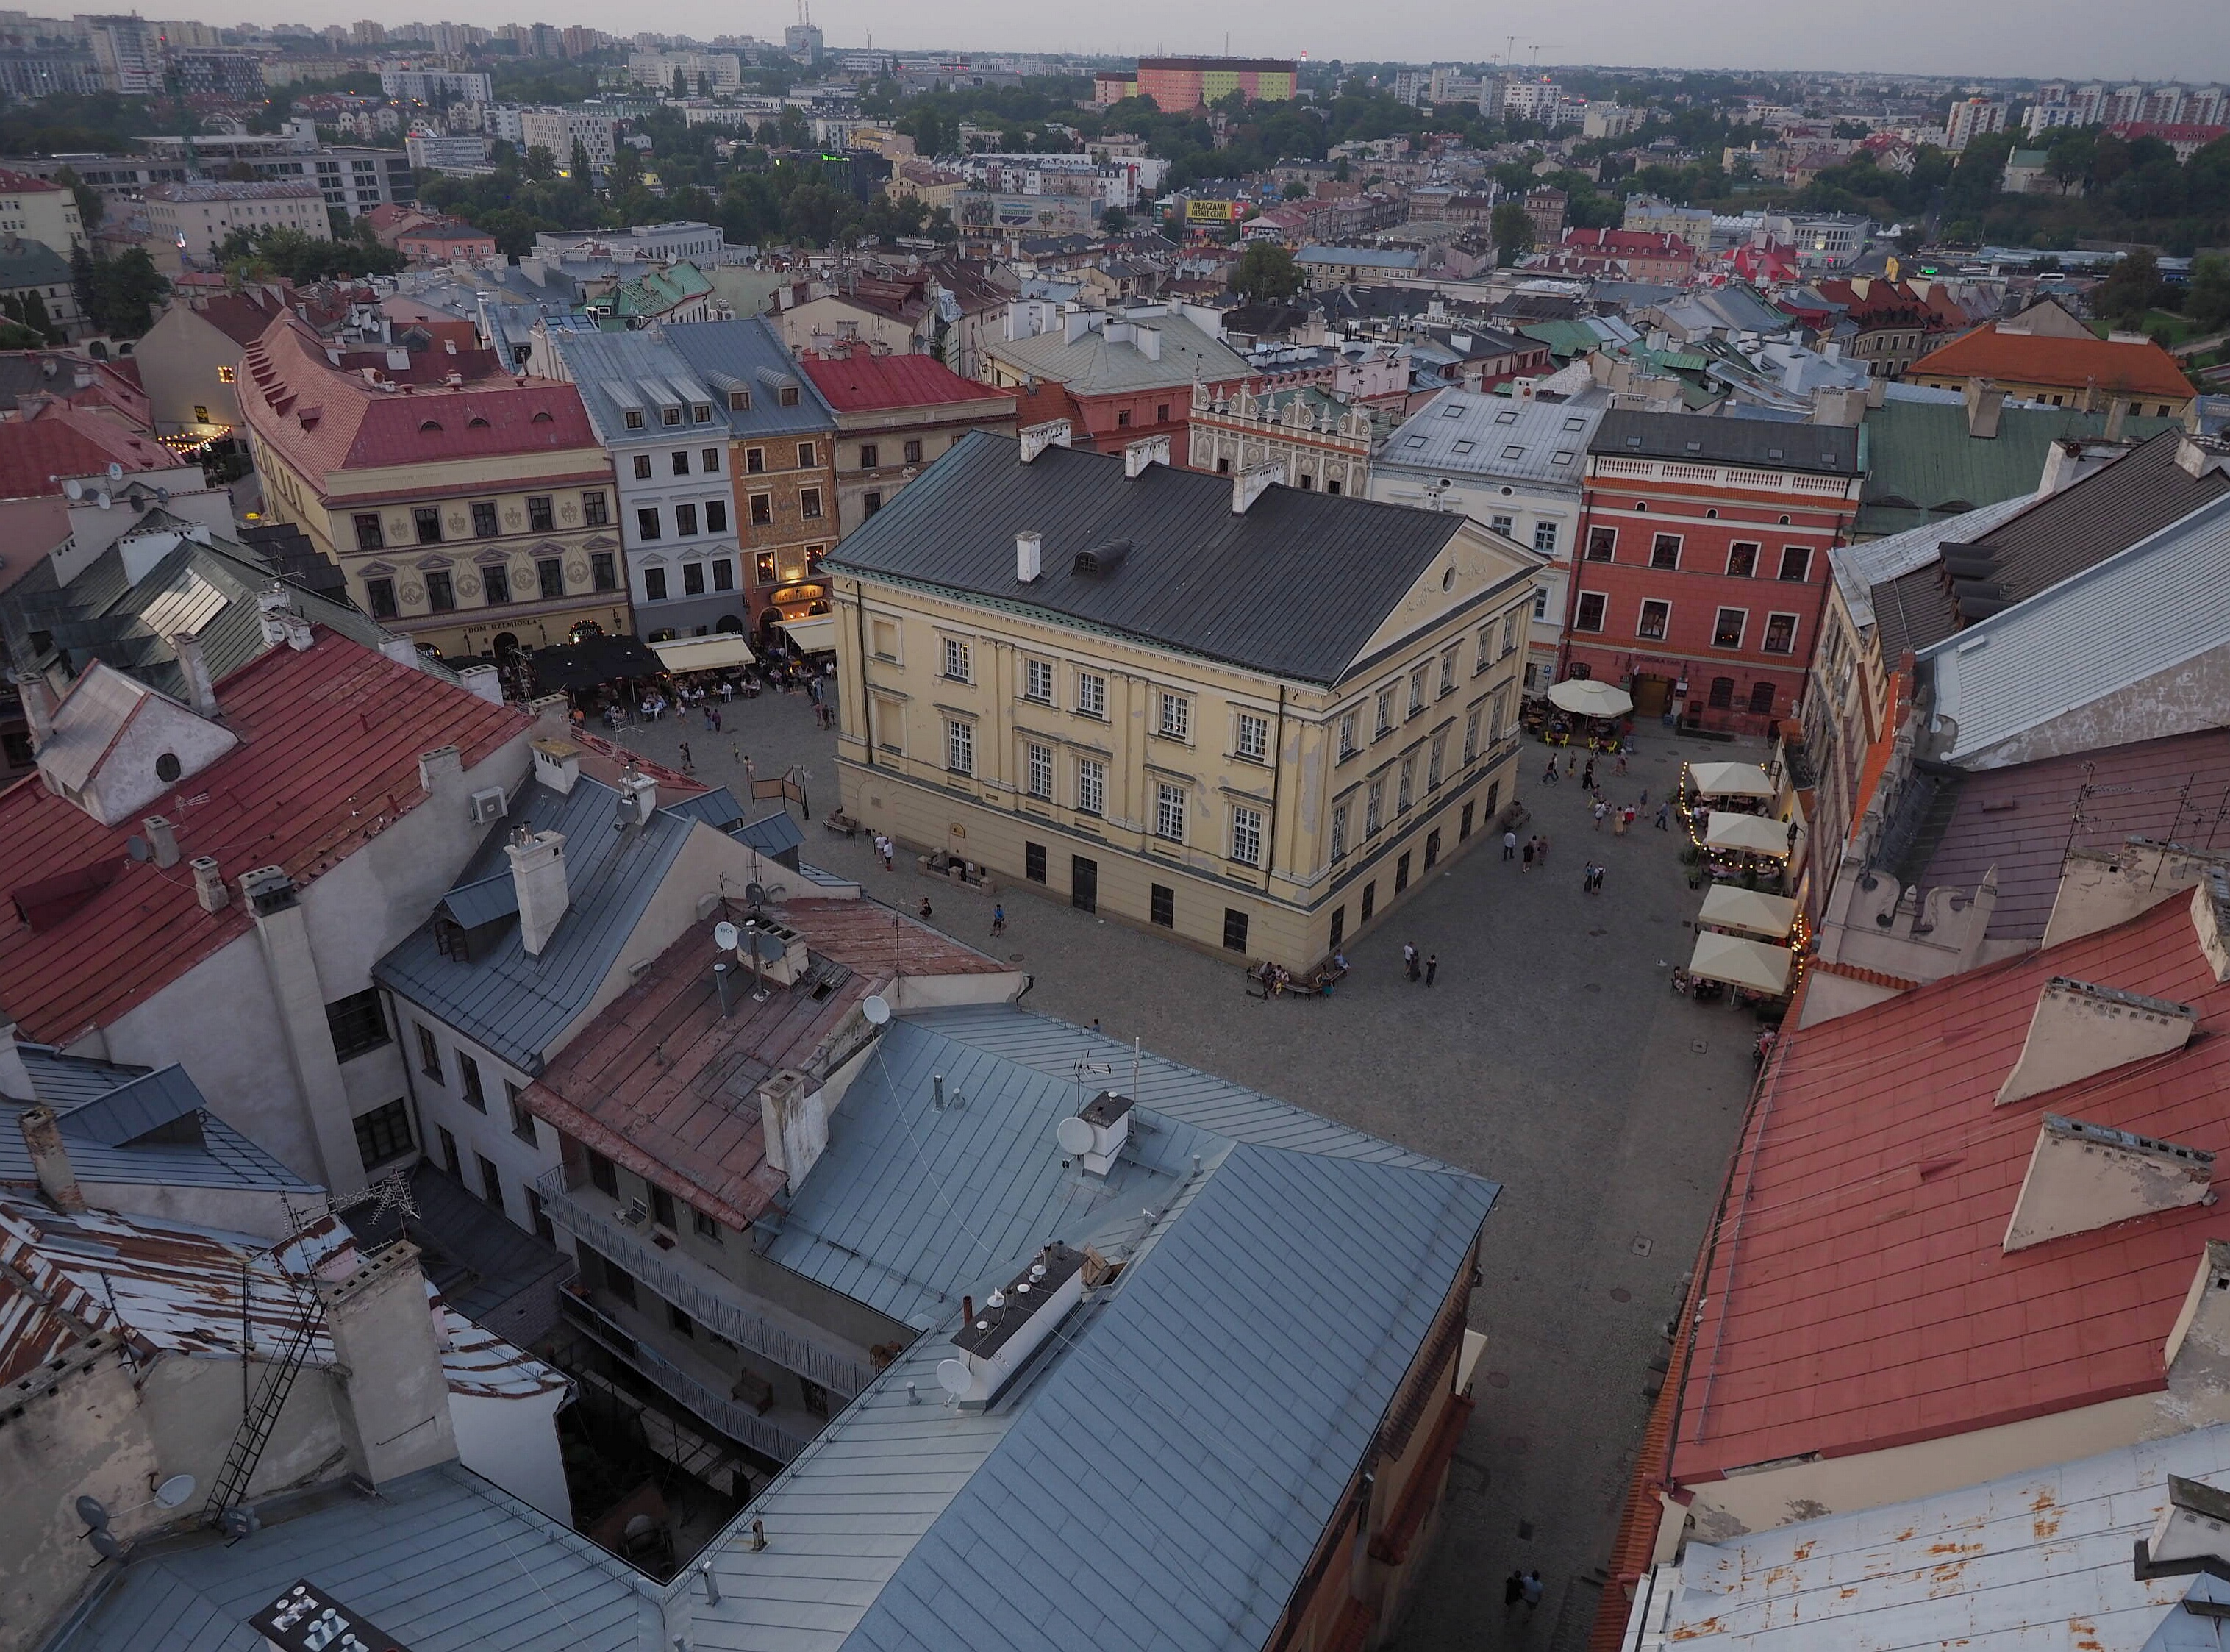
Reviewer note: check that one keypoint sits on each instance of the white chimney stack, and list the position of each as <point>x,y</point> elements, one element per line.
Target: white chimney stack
<point>193,664</point>
<point>162,840</point>
<point>15,1077</point>
<point>557,765</point>
<point>538,872</point>
<point>442,763</point>
<point>1153,450</point>
<point>272,608</point>
<point>401,649</point>
<point>1249,485</point>
<point>38,706</point>
<point>484,682</point>
<point>1029,544</point>
<point>209,889</point>
<point>1036,438</point>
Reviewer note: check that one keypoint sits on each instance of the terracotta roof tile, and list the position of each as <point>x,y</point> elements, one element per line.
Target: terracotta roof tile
<point>1871,1193</point>
<point>861,382</point>
<point>2018,358</point>
<point>328,758</point>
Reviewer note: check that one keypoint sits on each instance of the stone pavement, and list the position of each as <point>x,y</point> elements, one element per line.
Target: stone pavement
<point>1550,1056</point>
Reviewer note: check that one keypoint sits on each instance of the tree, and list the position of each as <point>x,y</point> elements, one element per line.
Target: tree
<point>581,170</point>
<point>126,290</point>
<point>681,84</point>
<point>1296,191</point>
<point>1265,273</point>
<point>34,316</point>
<point>1114,221</point>
<point>91,205</point>
<point>1513,233</point>
<point>2206,297</point>
<point>2131,288</point>
<point>626,170</point>
<point>541,165</point>
<point>703,85</point>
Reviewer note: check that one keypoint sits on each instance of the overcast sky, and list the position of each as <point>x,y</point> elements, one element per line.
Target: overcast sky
<point>2186,40</point>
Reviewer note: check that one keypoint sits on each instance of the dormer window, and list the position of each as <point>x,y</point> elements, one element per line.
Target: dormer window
<point>634,418</point>
<point>669,415</point>
<point>701,413</point>
<point>787,395</point>
<point>739,401</point>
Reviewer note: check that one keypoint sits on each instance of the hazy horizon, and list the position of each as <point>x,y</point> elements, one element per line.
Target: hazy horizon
<point>2178,40</point>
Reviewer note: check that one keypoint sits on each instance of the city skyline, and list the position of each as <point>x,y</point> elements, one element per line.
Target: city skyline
<point>2183,39</point>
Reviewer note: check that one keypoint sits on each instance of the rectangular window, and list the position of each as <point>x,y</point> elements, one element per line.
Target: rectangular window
<point>1741,560</point>
<point>654,585</point>
<point>1505,526</point>
<point>1401,874</point>
<point>1471,738</point>
<point>592,510</point>
<point>1723,692</point>
<point>1541,604</point>
<point>763,567</point>
<point>762,510</point>
<point>550,574</point>
<point>429,1056</point>
<point>1090,693</point>
<point>1654,616</point>
<point>368,535</point>
<point>1498,714</point>
<point>1176,717</point>
<point>441,595</point>
<point>1162,904</point>
<point>661,1207</point>
<point>739,401</point>
<point>1234,930</point>
<point>1039,766</point>
<point>540,518</point>
<point>1405,795</point>
<point>1253,738</point>
<point>1727,629</point>
<point>1795,562</point>
<point>619,1283</point>
<point>724,574</point>
<point>383,1133</point>
<point>1123,419</point>
<point>1779,633</point>
<point>380,593</point>
<point>1417,692</point>
<point>357,1022</point>
<point>1033,862</point>
<point>642,467</point>
<point>704,1226</point>
<point>1486,655</point>
<point>1169,812</point>
<point>1347,733</point>
<point>1590,617</point>
<point>1037,680</point>
<point>1510,623</point>
<point>1374,806</point>
<point>1601,543</point>
<point>495,584</point>
<point>716,516</point>
<point>685,521</point>
<point>754,461</point>
<point>708,461</point>
<point>468,1083</point>
<point>1436,761</point>
<point>484,525</point>
<point>1340,815</point>
<point>646,523</point>
<point>491,1181</point>
<point>522,1121</point>
<point>680,1322</point>
<point>692,579</point>
<point>871,501</point>
<point>1090,786</point>
<point>428,520</point>
<point>869,456</point>
<point>956,659</point>
<point>602,1175</point>
<point>669,416</point>
<point>1761,699</point>
<point>1544,538</point>
<point>539,1218</point>
<point>913,453</point>
<point>1664,550</point>
<point>1385,710</point>
<point>960,746</point>
<point>680,460</point>
<point>1448,672</point>
<point>808,456</point>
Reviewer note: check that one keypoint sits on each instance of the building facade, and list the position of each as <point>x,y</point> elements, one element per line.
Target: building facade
<point>35,208</point>
<point>1264,777</point>
<point>1179,83</point>
<point>1325,443</point>
<point>895,416</point>
<point>474,517</point>
<point>196,218</point>
<point>1132,371</point>
<point>1704,567</point>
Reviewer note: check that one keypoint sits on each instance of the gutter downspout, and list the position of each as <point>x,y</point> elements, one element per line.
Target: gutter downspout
<point>866,700</point>
<point>1572,596</point>
<point>1277,775</point>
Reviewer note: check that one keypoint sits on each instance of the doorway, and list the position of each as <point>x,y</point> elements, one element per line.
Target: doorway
<point>1652,695</point>
<point>1083,883</point>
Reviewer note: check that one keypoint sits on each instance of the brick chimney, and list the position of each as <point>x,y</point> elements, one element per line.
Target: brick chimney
<point>537,871</point>
<point>209,887</point>
<point>162,840</point>
<point>50,1160</point>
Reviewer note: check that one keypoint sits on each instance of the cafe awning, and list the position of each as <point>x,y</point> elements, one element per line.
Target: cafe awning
<point>1751,834</point>
<point>1742,963</point>
<point>814,635</point>
<point>592,660</point>
<point>721,651</point>
<point>1749,910</point>
<point>1728,780</point>
<point>1584,697</point>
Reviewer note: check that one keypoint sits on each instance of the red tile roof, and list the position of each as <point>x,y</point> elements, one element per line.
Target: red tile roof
<point>242,317</point>
<point>662,1082</point>
<point>330,740</point>
<point>327,419</point>
<point>36,454</point>
<point>2117,368</point>
<point>1859,1298</point>
<point>861,381</point>
<point>23,183</point>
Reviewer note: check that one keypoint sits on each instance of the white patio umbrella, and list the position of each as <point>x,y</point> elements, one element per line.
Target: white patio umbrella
<point>1749,910</point>
<point>1585,697</point>
<point>1751,834</point>
<point>1742,963</point>
<point>1728,780</point>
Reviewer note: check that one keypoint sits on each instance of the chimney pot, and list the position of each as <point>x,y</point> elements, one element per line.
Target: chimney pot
<point>1029,548</point>
<point>209,888</point>
<point>442,763</point>
<point>50,1160</point>
<point>537,871</point>
<point>162,840</point>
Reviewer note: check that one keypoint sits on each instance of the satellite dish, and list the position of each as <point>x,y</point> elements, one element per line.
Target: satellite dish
<point>136,847</point>
<point>115,471</point>
<point>92,1512</point>
<point>724,937</point>
<point>1073,1135</point>
<point>73,489</point>
<point>953,1377</point>
<point>175,1490</point>
<point>104,1544</point>
<point>104,500</point>
<point>756,893</point>
<point>877,1009</point>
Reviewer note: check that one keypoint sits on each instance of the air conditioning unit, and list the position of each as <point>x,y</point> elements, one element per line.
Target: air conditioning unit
<point>487,806</point>
<point>636,1214</point>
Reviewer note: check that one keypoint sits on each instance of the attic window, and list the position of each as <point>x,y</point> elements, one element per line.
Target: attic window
<point>1505,417</point>
<point>1464,446</point>
<point>1453,410</point>
<point>1413,441</point>
<point>1560,458</point>
<point>787,395</point>
<point>1575,425</point>
<point>1695,447</point>
<point>425,425</point>
<point>1773,453</point>
<point>738,402</point>
<point>542,417</point>
<point>634,418</point>
<point>1634,441</point>
<point>701,413</point>
<point>1513,451</point>
<point>476,422</point>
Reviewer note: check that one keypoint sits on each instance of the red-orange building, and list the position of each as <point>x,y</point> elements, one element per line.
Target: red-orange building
<point>1178,83</point>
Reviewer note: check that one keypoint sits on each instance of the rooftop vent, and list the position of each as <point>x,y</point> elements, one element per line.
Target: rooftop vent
<point>1028,562</point>
<point>2083,1177</point>
<point>2210,916</point>
<point>1095,1137</point>
<point>2080,1030</point>
<point>1101,558</point>
<point>1012,1324</point>
<point>2191,1534</point>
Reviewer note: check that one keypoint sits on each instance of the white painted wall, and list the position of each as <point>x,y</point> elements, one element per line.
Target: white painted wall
<point>513,1443</point>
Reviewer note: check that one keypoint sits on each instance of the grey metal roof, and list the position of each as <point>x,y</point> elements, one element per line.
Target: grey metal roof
<point>1697,438</point>
<point>1293,588</point>
<point>515,1005</point>
<point>106,1111</point>
<point>65,1081</point>
<point>135,1107</point>
<point>1095,365</point>
<point>441,1560</point>
<point>1871,563</point>
<point>2159,604</point>
<point>749,352</point>
<point>717,808</point>
<point>614,371</point>
<point>1463,433</point>
<point>1385,258</point>
<point>772,836</point>
<point>489,900</point>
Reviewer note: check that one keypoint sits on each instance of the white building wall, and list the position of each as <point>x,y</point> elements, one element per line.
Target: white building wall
<point>513,1443</point>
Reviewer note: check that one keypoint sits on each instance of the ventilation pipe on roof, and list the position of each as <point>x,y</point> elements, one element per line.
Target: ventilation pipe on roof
<point>538,872</point>
<point>2081,1029</point>
<point>193,665</point>
<point>50,1160</point>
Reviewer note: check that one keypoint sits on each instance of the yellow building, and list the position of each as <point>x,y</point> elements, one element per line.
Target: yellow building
<point>475,516</point>
<point>1251,715</point>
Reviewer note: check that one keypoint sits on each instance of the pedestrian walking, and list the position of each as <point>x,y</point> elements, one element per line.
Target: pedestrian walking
<point>1541,848</point>
<point>713,712</point>
<point>1663,809</point>
<point>1587,777</point>
<point>750,772</point>
<point>1513,1590</point>
<point>1549,778</point>
<point>1432,968</point>
<point>1531,1588</point>
<point>688,767</point>
<point>1409,960</point>
<point>998,920</point>
<point>1510,845</point>
<point>1601,809</point>
<point>1528,865</point>
<point>1571,763</point>
<point>1620,769</point>
<point>924,906</point>
<point>710,715</point>
<point>1644,799</point>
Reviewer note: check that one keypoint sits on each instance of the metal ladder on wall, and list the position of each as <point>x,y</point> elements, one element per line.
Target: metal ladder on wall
<point>261,1415</point>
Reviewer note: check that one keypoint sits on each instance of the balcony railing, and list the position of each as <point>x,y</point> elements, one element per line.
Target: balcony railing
<point>753,1332</point>
<point>739,1422</point>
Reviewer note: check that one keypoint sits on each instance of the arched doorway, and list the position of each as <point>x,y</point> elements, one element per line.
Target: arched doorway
<point>729,625</point>
<point>506,647</point>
